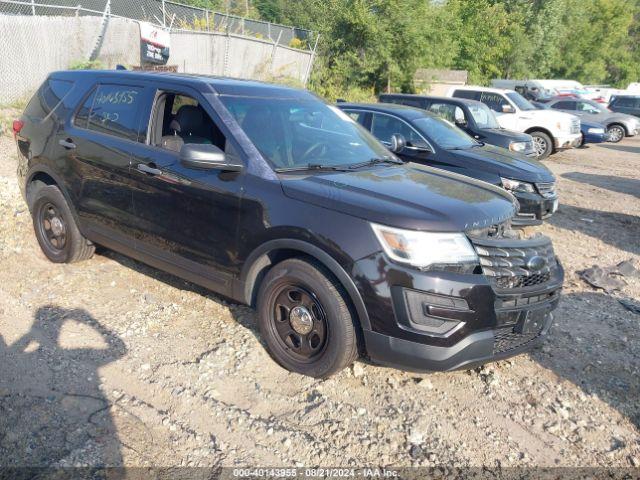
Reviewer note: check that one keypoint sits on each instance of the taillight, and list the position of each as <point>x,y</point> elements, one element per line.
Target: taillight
<point>17,126</point>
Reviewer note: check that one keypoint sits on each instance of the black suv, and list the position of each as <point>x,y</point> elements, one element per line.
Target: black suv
<point>629,104</point>
<point>423,137</point>
<point>472,116</point>
<point>272,198</point>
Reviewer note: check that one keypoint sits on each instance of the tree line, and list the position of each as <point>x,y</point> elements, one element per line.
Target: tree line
<point>369,46</point>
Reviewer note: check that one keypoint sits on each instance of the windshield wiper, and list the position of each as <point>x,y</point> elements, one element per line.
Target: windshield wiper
<point>312,166</point>
<point>376,161</point>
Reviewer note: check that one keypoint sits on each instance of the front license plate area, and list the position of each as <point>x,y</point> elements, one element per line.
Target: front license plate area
<point>532,323</point>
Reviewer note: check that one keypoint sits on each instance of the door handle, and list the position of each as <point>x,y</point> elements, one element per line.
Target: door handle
<point>68,144</point>
<point>150,170</point>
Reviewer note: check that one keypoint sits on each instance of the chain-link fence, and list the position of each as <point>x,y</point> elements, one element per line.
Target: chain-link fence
<point>105,33</point>
<point>168,14</point>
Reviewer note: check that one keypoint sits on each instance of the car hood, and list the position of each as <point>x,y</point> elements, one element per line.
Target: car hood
<point>550,116</point>
<point>508,134</point>
<point>589,123</point>
<point>506,164</point>
<point>407,196</point>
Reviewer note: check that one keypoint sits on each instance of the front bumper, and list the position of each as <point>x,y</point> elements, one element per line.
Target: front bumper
<point>476,349</point>
<point>534,208</point>
<point>444,320</point>
<point>567,140</point>
<point>595,138</point>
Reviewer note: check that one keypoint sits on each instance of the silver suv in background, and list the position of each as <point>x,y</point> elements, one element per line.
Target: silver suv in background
<point>619,125</point>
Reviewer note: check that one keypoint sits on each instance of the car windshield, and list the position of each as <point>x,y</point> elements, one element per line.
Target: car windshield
<point>483,116</point>
<point>521,102</point>
<point>293,133</point>
<point>444,133</point>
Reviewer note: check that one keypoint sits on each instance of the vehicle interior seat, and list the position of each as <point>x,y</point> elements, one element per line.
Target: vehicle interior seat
<point>188,126</point>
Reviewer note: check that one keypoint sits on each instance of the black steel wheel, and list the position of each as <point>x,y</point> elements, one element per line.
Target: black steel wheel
<point>53,227</point>
<point>305,319</point>
<point>300,322</point>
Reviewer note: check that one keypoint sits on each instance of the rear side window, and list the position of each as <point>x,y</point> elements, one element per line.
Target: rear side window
<point>493,100</point>
<point>624,102</point>
<point>49,98</point>
<point>112,109</point>
<point>453,113</point>
<point>564,106</point>
<point>470,94</point>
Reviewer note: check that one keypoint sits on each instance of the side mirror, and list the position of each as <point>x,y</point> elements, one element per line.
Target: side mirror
<point>461,123</point>
<point>398,142</point>
<point>508,109</point>
<point>206,157</point>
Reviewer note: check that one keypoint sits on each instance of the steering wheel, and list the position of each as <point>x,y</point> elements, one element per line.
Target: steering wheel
<point>322,147</point>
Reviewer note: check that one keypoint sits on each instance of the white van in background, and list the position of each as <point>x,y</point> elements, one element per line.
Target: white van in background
<point>529,89</point>
<point>543,90</point>
<point>551,130</point>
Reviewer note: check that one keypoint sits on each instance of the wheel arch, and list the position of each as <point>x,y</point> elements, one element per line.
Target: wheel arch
<point>275,251</point>
<point>540,129</point>
<point>43,175</point>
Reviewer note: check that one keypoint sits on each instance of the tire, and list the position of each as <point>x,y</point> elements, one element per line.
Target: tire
<point>581,144</point>
<point>616,133</point>
<point>317,345</point>
<point>542,143</point>
<point>56,229</point>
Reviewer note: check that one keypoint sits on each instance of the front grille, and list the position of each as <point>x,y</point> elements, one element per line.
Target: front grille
<point>506,339</point>
<point>575,125</point>
<point>522,281</point>
<point>547,190</point>
<point>515,264</point>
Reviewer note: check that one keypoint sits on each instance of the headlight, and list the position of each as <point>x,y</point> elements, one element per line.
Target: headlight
<point>422,249</point>
<point>596,130</point>
<point>518,146</point>
<point>517,185</point>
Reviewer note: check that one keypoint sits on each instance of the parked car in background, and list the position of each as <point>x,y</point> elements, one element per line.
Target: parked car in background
<point>472,116</point>
<point>629,104</point>
<point>529,89</point>
<point>420,136</point>
<point>593,132</point>
<point>618,125</point>
<point>268,196</point>
<point>551,131</point>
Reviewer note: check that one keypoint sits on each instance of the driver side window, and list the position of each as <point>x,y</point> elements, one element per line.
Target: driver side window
<point>385,126</point>
<point>180,119</point>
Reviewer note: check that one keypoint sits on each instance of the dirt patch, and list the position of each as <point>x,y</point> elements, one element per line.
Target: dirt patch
<point>110,362</point>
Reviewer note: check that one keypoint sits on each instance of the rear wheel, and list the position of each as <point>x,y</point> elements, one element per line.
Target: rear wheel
<point>616,133</point>
<point>542,144</point>
<point>305,320</point>
<point>56,229</point>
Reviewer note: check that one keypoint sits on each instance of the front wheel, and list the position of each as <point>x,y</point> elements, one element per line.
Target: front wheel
<point>616,133</point>
<point>305,320</point>
<point>542,144</point>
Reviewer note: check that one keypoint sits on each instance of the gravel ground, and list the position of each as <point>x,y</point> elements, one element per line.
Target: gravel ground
<point>110,362</point>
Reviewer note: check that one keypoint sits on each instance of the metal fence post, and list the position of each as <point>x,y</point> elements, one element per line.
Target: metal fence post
<point>33,7</point>
<point>273,53</point>
<point>311,60</point>
<point>164,14</point>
